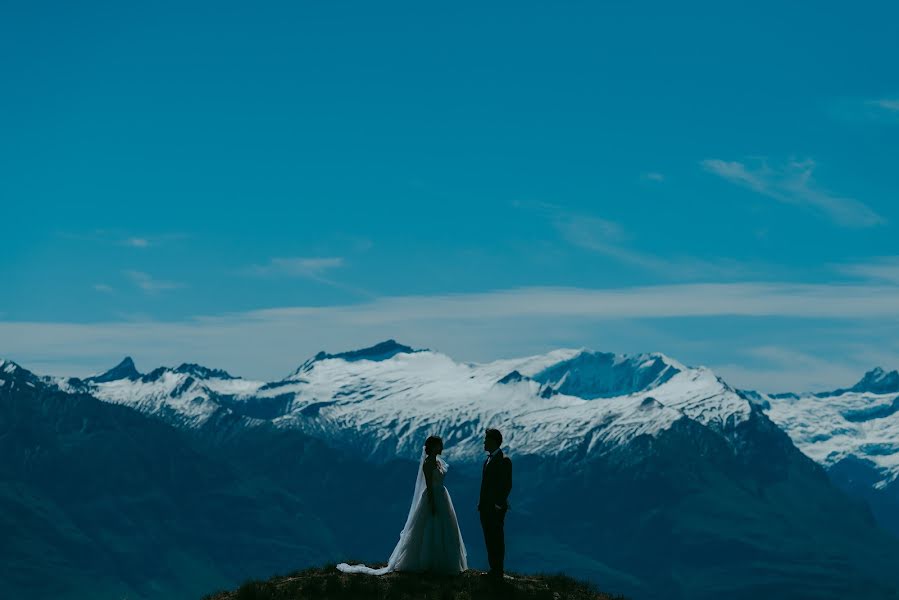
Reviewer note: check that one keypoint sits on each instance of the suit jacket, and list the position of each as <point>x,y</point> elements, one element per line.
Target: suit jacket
<point>496,482</point>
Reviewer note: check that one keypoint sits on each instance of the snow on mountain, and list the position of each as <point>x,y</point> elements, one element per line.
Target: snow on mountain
<point>123,370</point>
<point>380,351</point>
<point>188,394</point>
<point>860,422</point>
<point>878,381</point>
<point>386,399</point>
<point>388,406</point>
<point>13,375</point>
<point>591,375</point>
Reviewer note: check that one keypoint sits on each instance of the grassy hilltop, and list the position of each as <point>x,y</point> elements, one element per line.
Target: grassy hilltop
<point>327,583</point>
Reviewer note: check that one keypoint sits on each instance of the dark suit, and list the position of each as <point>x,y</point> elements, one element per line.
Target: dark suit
<point>496,483</point>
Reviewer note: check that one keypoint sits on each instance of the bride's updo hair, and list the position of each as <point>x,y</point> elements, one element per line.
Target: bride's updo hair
<point>431,443</point>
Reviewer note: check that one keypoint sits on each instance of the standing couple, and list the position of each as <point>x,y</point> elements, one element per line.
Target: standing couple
<point>431,540</point>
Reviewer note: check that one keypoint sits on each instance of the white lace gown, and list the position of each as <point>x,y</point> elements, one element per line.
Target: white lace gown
<point>430,542</point>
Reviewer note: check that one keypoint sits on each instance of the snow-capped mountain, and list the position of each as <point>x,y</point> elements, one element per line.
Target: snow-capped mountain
<point>189,394</point>
<point>12,375</point>
<point>860,422</point>
<point>571,403</point>
<point>388,398</point>
<point>566,402</point>
<point>663,461</point>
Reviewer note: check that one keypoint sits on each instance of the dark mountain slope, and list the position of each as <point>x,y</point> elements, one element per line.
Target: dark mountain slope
<point>108,500</point>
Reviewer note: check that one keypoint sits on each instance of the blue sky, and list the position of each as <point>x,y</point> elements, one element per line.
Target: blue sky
<point>243,186</point>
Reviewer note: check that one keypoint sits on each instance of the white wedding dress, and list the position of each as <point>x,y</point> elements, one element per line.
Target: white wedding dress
<point>428,542</point>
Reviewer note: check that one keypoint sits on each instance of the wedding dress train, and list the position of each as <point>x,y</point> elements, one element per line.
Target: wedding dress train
<point>430,541</point>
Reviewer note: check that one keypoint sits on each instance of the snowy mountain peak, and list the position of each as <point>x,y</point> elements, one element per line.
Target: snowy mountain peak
<point>123,370</point>
<point>878,381</point>
<point>13,374</point>
<point>592,375</point>
<point>856,423</point>
<point>380,351</point>
<point>11,368</point>
<point>387,398</point>
<point>202,372</point>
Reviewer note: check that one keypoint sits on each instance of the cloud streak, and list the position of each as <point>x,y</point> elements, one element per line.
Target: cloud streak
<point>148,284</point>
<point>794,184</point>
<point>649,302</point>
<point>312,268</point>
<point>296,266</point>
<point>120,238</point>
<point>885,268</point>
<point>481,326</point>
<point>886,104</point>
<point>609,239</point>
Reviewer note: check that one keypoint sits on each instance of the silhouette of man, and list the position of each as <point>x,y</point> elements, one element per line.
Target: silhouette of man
<point>496,483</point>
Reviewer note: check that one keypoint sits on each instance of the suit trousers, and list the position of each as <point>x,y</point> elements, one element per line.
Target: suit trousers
<point>492,521</point>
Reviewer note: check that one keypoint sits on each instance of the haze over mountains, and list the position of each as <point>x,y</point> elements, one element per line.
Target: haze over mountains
<point>653,478</point>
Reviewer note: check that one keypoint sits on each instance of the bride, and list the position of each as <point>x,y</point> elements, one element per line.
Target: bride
<point>431,540</point>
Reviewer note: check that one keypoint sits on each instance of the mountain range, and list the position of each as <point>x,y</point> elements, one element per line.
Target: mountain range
<point>654,479</point>
<point>853,433</point>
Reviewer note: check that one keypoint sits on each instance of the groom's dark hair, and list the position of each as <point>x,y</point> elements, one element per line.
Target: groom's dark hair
<point>494,434</point>
<point>431,442</point>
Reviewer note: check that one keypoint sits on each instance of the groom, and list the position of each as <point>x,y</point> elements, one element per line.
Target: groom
<point>496,483</point>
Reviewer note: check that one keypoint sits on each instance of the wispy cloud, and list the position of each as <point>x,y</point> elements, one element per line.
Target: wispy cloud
<point>609,238</point>
<point>606,238</point>
<point>147,241</point>
<point>312,268</point>
<point>150,285</point>
<point>137,242</point>
<point>878,111</point>
<point>654,176</point>
<point>296,266</point>
<point>661,301</point>
<point>886,104</point>
<point>102,287</point>
<point>793,183</point>
<point>356,243</point>
<point>883,268</point>
<point>787,356</point>
<point>120,238</point>
<point>487,325</point>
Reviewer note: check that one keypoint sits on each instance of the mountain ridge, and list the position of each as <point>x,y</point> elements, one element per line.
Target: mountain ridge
<point>688,490</point>
<point>554,383</point>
